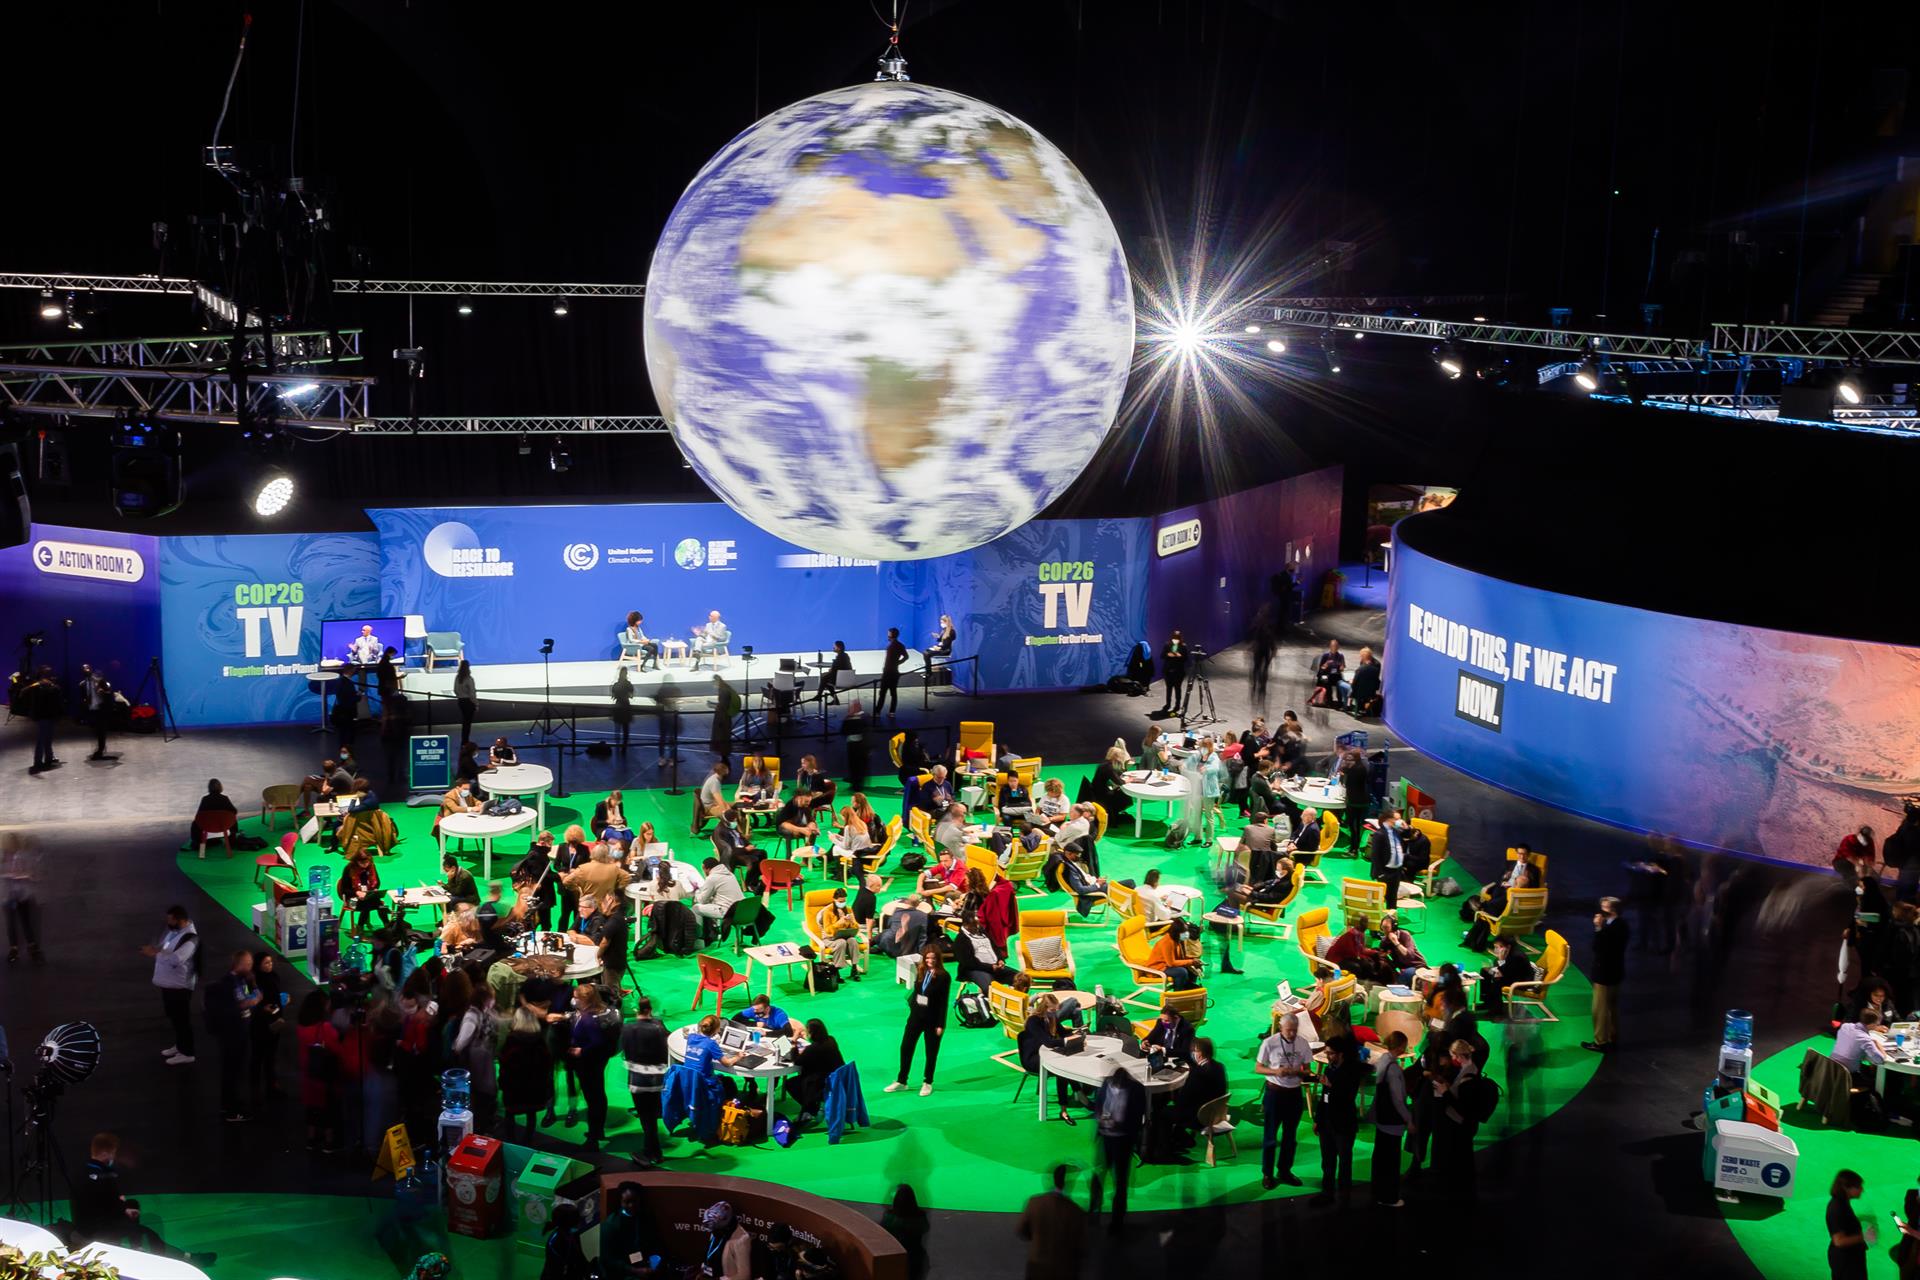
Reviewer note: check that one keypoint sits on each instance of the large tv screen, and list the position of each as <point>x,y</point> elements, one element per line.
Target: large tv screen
<point>337,636</point>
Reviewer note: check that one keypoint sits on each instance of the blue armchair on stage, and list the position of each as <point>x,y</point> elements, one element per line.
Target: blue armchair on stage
<point>711,642</point>
<point>846,1106</point>
<point>690,1095</point>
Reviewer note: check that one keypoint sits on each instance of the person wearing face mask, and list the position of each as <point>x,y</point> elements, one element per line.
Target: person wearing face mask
<point>460,799</point>
<point>1398,852</point>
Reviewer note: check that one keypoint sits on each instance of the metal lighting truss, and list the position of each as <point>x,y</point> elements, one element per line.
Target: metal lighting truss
<point>1378,302</point>
<point>201,351</point>
<point>192,379</point>
<point>629,425</point>
<point>1616,345</point>
<point>478,287</point>
<point>330,402</point>
<point>1880,346</point>
<point>1873,410</point>
<point>67,282</point>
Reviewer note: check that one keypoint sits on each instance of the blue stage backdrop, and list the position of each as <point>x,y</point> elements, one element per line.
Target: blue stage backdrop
<point>108,583</point>
<point>505,578</point>
<point>1762,742</point>
<point>240,619</point>
<point>1055,604</point>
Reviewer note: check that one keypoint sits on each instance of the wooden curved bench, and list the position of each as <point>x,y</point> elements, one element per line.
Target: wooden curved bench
<point>856,1243</point>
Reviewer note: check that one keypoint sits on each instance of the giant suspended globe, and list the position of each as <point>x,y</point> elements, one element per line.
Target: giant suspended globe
<point>889,321</point>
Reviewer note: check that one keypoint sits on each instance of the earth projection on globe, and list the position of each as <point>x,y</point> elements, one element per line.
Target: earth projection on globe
<point>889,322</point>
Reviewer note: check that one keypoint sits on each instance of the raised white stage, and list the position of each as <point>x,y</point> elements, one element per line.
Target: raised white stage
<point>586,684</point>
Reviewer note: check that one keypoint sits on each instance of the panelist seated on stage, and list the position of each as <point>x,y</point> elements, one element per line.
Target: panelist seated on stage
<point>636,643</point>
<point>711,639</point>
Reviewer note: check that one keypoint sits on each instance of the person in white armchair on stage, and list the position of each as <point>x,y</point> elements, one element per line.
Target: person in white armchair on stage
<point>710,639</point>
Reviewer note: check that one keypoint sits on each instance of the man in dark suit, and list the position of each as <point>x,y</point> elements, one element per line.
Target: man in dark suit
<point>1357,778</point>
<point>1397,852</point>
<point>1206,1080</point>
<point>1172,1035</point>
<point>890,674</point>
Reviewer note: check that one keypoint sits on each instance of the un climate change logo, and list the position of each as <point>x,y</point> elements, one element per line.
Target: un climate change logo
<point>690,553</point>
<point>581,555</point>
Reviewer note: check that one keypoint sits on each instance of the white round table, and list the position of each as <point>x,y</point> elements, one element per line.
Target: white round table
<point>1145,788</point>
<point>485,828</point>
<point>521,780</point>
<point>1315,793</point>
<point>772,1069</point>
<point>1093,1064</point>
<point>320,680</point>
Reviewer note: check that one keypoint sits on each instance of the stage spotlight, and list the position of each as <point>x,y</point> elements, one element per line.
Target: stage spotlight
<point>1847,390</point>
<point>50,308</point>
<point>1447,356</point>
<point>273,494</point>
<point>465,308</point>
<point>1479,319</point>
<point>1359,337</point>
<point>525,446</point>
<point>298,390</point>
<point>1276,346</point>
<point>558,459</point>
<point>560,305</point>
<point>1253,328</point>
<point>1587,376</point>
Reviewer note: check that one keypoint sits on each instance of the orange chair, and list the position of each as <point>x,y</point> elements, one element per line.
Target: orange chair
<point>780,873</point>
<point>282,857</point>
<point>718,977</point>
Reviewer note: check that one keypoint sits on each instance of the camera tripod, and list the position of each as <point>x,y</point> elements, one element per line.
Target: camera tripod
<point>1197,709</point>
<point>35,1174</point>
<point>169,727</point>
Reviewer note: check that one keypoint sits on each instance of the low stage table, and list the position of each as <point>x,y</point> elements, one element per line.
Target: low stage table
<point>777,955</point>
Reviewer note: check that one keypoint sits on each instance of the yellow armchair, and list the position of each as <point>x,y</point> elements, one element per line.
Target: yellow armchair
<point>1134,941</point>
<point>1190,1004</point>
<point>1024,870</point>
<point>1027,768</point>
<point>977,736</point>
<point>1099,820</point>
<point>1532,995</point>
<point>1520,917</point>
<point>1362,901</point>
<point>812,907</point>
<point>984,860</point>
<point>1010,1009</point>
<point>1273,912</point>
<point>1308,930</point>
<point>1035,925</point>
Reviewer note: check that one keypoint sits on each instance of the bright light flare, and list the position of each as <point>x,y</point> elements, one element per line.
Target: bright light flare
<point>274,495</point>
<point>1451,367</point>
<point>1849,392</point>
<point>1587,380</point>
<point>1276,346</point>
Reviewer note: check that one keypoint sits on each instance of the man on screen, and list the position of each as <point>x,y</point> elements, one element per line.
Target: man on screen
<point>366,648</point>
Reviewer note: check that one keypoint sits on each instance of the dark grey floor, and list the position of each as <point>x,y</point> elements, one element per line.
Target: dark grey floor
<point>1618,1160</point>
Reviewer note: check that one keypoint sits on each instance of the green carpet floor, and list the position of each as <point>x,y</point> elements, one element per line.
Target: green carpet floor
<point>968,1146</point>
<point>1787,1239</point>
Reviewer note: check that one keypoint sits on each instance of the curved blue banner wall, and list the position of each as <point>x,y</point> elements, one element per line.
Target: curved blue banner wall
<point>1739,738</point>
<point>1055,603</point>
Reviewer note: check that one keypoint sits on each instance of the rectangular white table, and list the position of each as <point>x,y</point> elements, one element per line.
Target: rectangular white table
<point>777,955</point>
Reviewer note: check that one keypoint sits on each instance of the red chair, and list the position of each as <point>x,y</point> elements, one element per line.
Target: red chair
<point>281,857</point>
<point>780,873</point>
<point>718,977</point>
<point>217,826</point>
